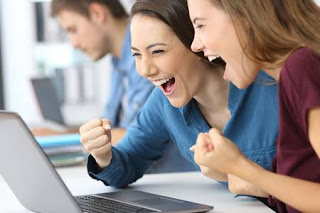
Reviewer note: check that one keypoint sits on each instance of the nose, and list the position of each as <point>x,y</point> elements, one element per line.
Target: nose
<point>196,45</point>
<point>146,69</point>
<point>74,41</point>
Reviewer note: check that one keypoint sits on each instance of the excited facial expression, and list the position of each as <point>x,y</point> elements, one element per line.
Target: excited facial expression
<point>85,34</point>
<point>215,35</point>
<point>164,60</point>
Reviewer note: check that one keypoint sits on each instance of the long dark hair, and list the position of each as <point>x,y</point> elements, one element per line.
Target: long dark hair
<point>175,14</point>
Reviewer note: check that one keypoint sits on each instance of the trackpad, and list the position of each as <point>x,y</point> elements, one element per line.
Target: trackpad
<point>156,201</point>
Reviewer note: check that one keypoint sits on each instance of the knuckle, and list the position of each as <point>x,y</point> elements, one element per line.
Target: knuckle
<point>105,138</point>
<point>95,121</point>
<point>232,188</point>
<point>89,148</point>
<point>100,130</point>
<point>204,170</point>
<point>83,139</point>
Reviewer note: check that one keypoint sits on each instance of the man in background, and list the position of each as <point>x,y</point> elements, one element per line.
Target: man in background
<point>100,27</point>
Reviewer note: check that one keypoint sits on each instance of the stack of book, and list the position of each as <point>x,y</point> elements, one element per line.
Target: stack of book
<point>63,150</point>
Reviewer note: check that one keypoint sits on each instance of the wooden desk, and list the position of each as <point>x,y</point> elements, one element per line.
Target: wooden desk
<point>192,186</point>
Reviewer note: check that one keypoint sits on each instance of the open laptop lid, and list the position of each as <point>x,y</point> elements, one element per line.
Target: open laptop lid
<point>27,170</point>
<point>38,187</point>
<point>48,99</point>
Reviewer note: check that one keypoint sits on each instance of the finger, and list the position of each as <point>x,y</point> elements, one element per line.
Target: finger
<point>215,135</point>
<point>102,152</point>
<point>201,145</point>
<point>106,123</point>
<point>90,125</point>
<point>215,131</point>
<point>208,140</point>
<point>92,134</point>
<point>99,142</point>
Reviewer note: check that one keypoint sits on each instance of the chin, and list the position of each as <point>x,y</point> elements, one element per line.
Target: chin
<point>242,85</point>
<point>177,103</point>
<point>96,57</point>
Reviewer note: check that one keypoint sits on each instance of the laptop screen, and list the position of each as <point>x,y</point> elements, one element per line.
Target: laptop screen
<point>48,99</point>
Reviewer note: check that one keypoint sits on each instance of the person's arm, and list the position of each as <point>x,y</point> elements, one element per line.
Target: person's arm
<point>226,157</point>
<point>145,142</point>
<point>237,185</point>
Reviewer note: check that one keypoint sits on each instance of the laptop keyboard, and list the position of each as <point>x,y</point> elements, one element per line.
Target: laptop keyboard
<point>92,204</point>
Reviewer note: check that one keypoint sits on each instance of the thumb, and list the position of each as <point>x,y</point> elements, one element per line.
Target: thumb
<point>106,124</point>
<point>208,141</point>
<point>203,143</point>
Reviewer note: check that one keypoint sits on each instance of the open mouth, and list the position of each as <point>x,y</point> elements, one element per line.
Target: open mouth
<point>213,57</point>
<point>167,85</point>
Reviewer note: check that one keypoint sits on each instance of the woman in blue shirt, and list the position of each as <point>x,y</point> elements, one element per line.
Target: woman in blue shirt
<point>191,96</point>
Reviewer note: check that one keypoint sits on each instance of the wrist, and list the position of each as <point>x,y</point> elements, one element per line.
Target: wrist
<point>240,166</point>
<point>104,162</point>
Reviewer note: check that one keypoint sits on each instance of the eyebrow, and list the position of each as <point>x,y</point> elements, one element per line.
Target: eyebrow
<point>197,19</point>
<point>150,46</point>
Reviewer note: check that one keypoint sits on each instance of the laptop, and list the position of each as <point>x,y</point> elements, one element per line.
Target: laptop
<point>48,99</point>
<point>38,187</point>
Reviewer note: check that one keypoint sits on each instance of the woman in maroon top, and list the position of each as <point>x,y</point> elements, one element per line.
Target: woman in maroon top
<point>281,37</point>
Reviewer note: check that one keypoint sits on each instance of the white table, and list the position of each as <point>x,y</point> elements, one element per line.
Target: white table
<point>192,186</point>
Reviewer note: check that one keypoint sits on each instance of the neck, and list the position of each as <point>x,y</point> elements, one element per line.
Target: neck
<point>274,73</point>
<point>212,98</point>
<point>117,37</point>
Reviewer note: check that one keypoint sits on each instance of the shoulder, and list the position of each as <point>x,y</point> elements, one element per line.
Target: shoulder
<point>299,78</point>
<point>302,62</point>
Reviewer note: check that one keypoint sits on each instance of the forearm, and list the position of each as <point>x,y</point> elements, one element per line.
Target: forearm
<point>122,170</point>
<point>215,175</point>
<point>239,186</point>
<point>300,194</point>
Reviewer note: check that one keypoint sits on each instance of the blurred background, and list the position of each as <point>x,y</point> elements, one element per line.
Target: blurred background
<point>34,46</point>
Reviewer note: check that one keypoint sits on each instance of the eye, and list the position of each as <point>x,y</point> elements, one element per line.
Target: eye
<point>136,54</point>
<point>158,52</point>
<point>199,26</point>
<point>72,30</point>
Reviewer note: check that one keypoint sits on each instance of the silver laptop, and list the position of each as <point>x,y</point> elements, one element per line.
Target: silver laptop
<point>38,187</point>
<point>48,99</point>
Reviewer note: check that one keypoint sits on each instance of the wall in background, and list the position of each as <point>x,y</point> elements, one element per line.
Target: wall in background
<point>1,74</point>
<point>17,49</point>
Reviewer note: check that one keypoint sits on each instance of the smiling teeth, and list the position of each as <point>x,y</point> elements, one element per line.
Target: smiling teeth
<point>160,82</point>
<point>212,58</point>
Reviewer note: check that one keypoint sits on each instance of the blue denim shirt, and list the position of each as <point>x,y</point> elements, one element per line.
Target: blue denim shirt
<point>125,81</point>
<point>253,127</point>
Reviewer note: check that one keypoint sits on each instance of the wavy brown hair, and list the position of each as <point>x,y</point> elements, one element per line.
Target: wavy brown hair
<point>270,30</point>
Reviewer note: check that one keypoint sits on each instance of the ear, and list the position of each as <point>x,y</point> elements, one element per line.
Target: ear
<point>98,13</point>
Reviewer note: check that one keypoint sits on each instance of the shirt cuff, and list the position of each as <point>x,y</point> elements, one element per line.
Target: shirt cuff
<point>107,174</point>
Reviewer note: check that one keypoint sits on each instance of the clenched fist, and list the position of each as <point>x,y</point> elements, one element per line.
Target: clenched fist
<point>95,136</point>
